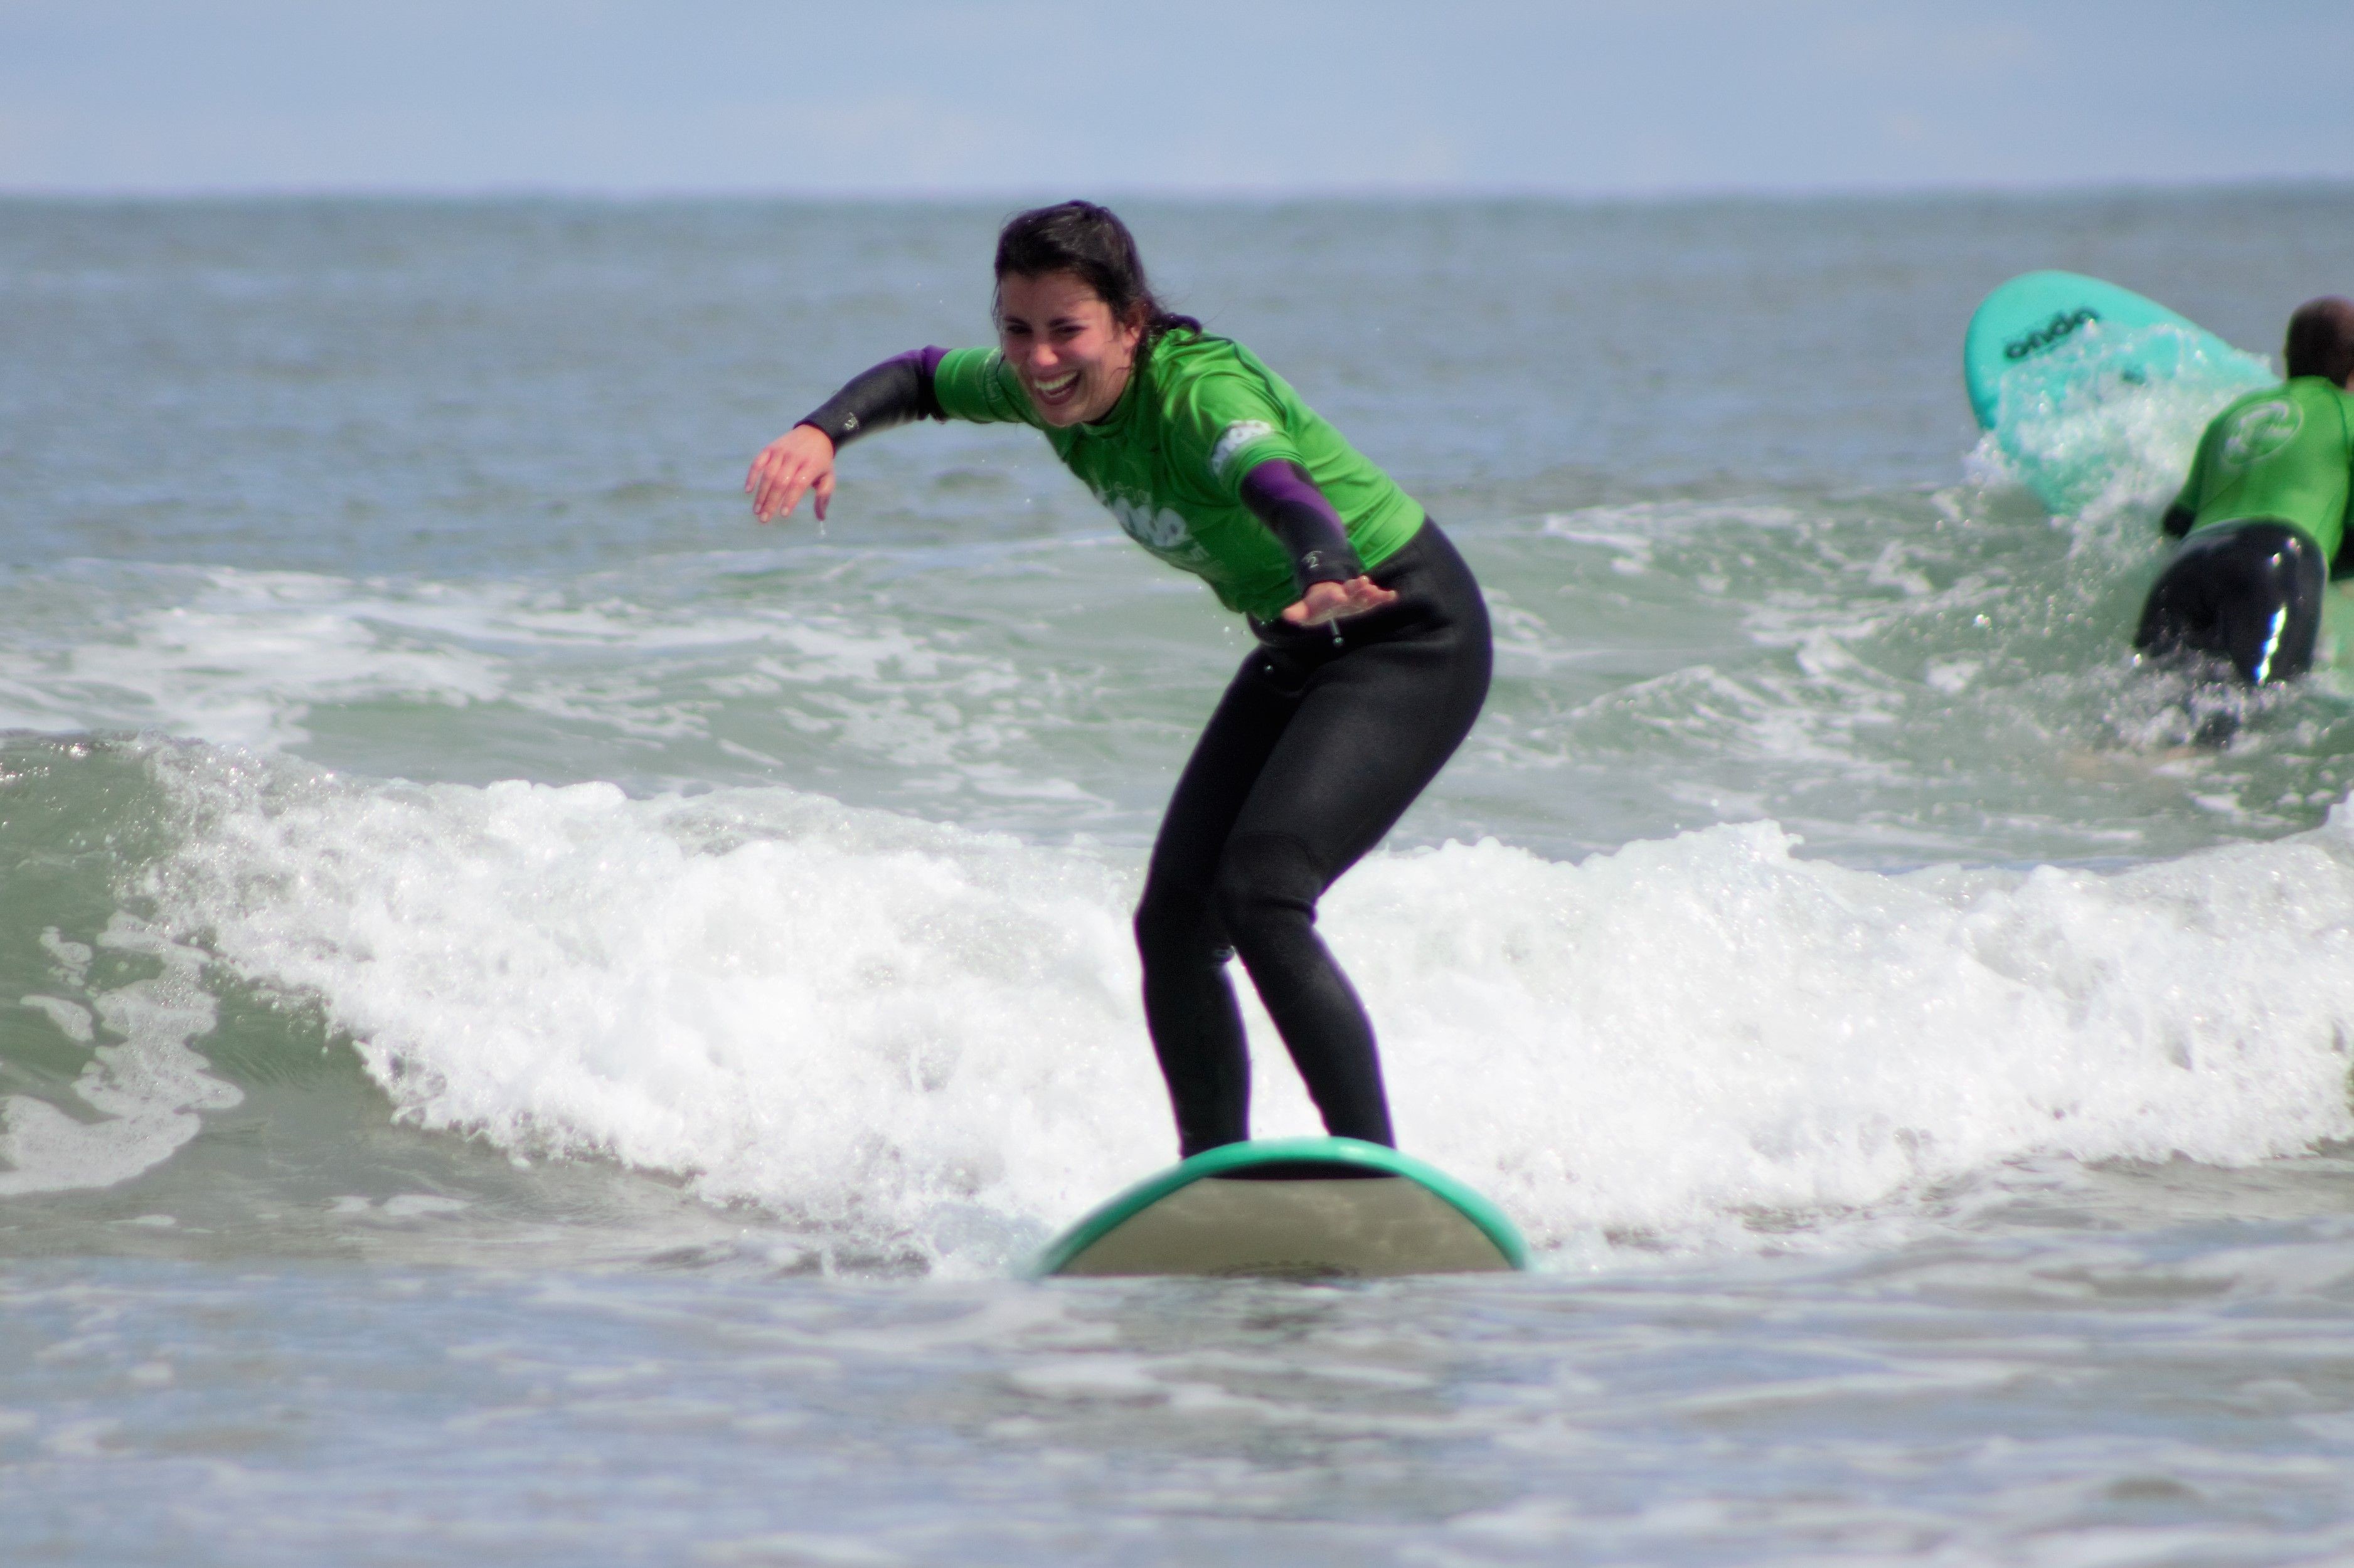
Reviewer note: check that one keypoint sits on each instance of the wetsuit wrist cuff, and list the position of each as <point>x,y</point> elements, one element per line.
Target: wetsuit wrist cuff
<point>1325,566</point>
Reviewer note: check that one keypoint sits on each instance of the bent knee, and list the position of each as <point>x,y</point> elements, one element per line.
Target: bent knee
<point>1174,922</point>
<point>1264,876</point>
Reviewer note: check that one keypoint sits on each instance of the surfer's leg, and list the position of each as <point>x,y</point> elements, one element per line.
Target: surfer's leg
<point>1374,724</point>
<point>1189,1003</point>
<point>2247,593</point>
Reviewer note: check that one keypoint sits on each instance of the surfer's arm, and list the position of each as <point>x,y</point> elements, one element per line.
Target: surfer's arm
<point>1282,495</point>
<point>1331,579</point>
<point>800,461</point>
<point>895,392</point>
<point>2184,510</point>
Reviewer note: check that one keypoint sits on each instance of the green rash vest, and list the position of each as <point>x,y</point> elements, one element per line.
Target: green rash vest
<point>1169,461</point>
<point>2286,452</point>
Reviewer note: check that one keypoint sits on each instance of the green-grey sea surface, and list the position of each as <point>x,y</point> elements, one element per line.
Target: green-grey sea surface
<point>540,1018</point>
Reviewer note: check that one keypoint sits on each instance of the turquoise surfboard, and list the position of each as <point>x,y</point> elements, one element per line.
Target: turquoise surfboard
<point>1299,1208</point>
<point>2091,390</point>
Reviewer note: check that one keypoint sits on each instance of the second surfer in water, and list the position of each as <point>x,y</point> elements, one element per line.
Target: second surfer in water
<point>2263,517</point>
<point>1372,651</point>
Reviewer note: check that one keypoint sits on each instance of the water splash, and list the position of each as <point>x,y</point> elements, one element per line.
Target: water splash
<point>2105,423</point>
<point>925,1038</point>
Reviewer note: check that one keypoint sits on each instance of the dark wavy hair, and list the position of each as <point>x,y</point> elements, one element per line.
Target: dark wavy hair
<point>2321,339</point>
<point>1091,242</point>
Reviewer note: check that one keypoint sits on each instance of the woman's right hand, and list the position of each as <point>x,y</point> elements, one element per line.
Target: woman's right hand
<point>801,459</point>
<point>1324,603</point>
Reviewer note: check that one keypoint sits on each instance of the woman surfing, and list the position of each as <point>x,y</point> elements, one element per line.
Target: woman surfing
<point>1372,649</point>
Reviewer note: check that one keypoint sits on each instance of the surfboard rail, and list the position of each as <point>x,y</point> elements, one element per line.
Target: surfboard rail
<point>1346,1156</point>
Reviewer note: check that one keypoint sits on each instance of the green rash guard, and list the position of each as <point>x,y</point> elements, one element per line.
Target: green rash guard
<point>2285,453</point>
<point>1199,414</point>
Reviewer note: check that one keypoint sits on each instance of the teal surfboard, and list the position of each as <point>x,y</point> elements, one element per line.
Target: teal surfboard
<point>2092,391</point>
<point>1299,1208</point>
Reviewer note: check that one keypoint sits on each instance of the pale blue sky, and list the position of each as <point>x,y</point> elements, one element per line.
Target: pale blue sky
<point>992,98</point>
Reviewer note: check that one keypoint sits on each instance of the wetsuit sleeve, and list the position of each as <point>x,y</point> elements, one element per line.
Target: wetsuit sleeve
<point>1281,494</point>
<point>892,393</point>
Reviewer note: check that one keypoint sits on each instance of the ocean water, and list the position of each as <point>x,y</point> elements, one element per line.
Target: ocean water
<point>540,1018</point>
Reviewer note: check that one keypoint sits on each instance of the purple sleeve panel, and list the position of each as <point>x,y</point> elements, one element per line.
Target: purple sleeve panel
<point>1280,494</point>
<point>893,393</point>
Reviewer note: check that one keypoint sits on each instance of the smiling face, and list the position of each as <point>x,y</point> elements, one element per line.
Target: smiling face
<point>1058,334</point>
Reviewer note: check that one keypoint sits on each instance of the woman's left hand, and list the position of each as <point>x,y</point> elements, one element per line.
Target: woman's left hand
<point>1330,601</point>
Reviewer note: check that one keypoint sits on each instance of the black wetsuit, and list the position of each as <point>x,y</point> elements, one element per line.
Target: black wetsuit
<point>1318,747</point>
<point>2247,592</point>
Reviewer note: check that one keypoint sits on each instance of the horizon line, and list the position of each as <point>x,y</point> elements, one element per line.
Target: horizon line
<point>619,194</point>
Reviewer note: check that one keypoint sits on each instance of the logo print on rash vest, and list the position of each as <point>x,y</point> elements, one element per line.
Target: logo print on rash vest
<point>1238,436</point>
<point>1162,531</point>
<point>2261,430</point>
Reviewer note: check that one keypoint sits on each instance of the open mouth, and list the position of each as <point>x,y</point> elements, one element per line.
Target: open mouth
<point>1057,390</point>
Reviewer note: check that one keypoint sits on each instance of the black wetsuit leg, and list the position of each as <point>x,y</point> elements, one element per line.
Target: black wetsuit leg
<point>1316,750</point>
<point>2249,593</point>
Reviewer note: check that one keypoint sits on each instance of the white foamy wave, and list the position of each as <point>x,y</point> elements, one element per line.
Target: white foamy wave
<point>146,1085</point>
<point>237,658</point>
<point>240,658</point>
<point>930,1035</point>
<point>860,1020</point>
<point>271,661</point>
<point>1706,1027</point>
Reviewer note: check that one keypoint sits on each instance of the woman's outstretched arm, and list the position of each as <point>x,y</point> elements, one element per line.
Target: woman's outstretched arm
<point>800,461</point>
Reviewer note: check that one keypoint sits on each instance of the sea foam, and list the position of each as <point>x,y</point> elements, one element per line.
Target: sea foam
<point>146,1085</point>
<point>922,1036</point>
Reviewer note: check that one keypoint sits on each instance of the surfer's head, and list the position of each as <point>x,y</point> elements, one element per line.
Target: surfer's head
<point>1075,311</point>
<point>2321,339</point>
